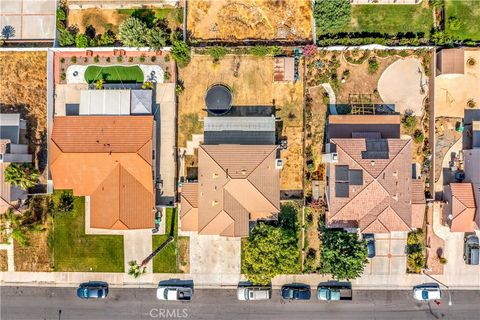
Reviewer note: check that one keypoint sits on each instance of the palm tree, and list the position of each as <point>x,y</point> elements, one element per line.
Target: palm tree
<point>13,222</point>
<point>24,175</point>
<point>136,270</point>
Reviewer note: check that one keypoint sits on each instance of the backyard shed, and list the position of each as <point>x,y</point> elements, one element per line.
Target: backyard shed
<point>450,61</point>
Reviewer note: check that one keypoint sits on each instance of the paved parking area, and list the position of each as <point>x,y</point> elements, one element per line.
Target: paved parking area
<point>28,19</point>
<point>456,267</point>
<point>390,257</point>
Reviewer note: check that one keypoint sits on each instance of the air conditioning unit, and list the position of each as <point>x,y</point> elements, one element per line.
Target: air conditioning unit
<point>278,164</point>
<point>330,157</point>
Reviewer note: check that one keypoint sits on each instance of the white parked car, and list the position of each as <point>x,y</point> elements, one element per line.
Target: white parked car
<point>254,293</point>
<point>427,292</point>
<point>174,293</point>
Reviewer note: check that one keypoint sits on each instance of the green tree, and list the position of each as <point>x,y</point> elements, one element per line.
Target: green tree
<point>107,38</point>
<point>65,202</point>
<point>133,32</point>
<point>81,41</point>
<point>343,254</point>
<point>181,53</point>
<point>23,175</point>
<point>136,270</point>
<point>65,38</point>
<point>156,38</point>
<point>332,15</point>
<point>269,251</point>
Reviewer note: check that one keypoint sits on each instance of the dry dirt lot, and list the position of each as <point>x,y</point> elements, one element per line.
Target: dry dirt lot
<point>23,88</point>
<point>232,20</point>
<point>3,260</point>
<point>253,86</point>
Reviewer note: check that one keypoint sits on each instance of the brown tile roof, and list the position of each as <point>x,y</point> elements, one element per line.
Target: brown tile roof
<point>104,158</point>
<point>383,200</point>
<point>463,207</point>
<point>235,182</point>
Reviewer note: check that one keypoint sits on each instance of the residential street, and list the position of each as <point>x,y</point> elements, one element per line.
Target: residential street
<point>45,303</point>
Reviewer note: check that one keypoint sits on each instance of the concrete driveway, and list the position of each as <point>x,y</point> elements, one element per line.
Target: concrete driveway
<point>390,257</point>
<point>456,267</point>
<point>214,255</point>
<point>402,84</point>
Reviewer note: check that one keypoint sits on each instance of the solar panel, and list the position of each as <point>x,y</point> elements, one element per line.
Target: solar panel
<point>341,190</point>
<point>341,173</point>
<point>376,149</point>
<point>355,177</point>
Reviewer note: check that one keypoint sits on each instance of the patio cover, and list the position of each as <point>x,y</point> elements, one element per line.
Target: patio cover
<point>141,102</point>
<point>105,102</point>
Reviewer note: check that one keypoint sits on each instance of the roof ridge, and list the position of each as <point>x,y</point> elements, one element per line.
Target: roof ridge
<point>258,165</point>
<point>149,140</point>
<point>358,194</point>
<point>396,213</point>
<point>378,220</point>
<point>218,164</point>
<point>258,192</point>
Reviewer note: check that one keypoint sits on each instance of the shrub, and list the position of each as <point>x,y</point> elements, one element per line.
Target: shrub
<point>130,59</point>
<point>179,87</point>
<point>409,121</point>
<point>65,202</point>
<point>119,59</point>
<point>23,175</point>
<point>65,38</point>
<point>156,38</point>
<point>61,14</point>
<point>259,51</point>
<point>346,74</point>
<point>62,60</point>
<point>309,50</point>
<point>276,50</point>
<point>142,58</point>
<point>153,59</point>
<point>332,15</point>
<point>73,59</point>
<point>108,59</point>
<point>96,59</point>
<point>167,58</point>
<point>81,41</point>
<point>181,53</point>
<point>217,53</point>
<point>99,84</point>
<point>372,65</point>
<point>167,75</point>
<point>147,85</point>
<point>454,24</point>
<point>443,260</point>
<point>107,38</point>
<point>63,76</point>
<point>133,32</point>
<point>418,136</point>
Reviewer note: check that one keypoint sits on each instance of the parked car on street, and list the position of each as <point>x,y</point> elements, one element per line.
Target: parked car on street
<point>93,290</point>
<point>370,238</point>
<point>471,249</point>
<point>174,293</point>
<point>334,293</point>
<point>296,292</point>
<point>427,292</point>
<point>254,293</point>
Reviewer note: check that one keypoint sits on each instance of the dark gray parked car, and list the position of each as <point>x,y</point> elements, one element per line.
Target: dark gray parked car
<point>370,238</point>
<point>93,290</point>
<point>471,249</point>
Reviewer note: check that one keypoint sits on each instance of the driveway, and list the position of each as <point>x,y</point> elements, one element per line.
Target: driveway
<point>404,84</point>
<point>215,258</point>
<point>456,267</point>
<point>390,257</point>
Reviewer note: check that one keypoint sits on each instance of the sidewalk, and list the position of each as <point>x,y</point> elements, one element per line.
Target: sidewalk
<point>230,281</point>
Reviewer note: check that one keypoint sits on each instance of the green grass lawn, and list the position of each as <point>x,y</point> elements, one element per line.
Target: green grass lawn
<point>114,74</point>
<point>391,19</point>
<point>174,16</point>
<point>73,250</point>
<point>467,12</point>
<point>166,260</point>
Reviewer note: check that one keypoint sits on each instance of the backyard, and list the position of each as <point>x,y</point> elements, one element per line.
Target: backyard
<point>114,74</point>
<point>23,89</point>
<point>107,19</point>
<point>250,79</point>
<point>462,19</point>
<point>235,20</point>
<point>172,258</point>
<point>391,19</point>
<point>73,250</point>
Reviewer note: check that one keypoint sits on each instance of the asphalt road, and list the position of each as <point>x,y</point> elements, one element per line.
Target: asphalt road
<point>45,303</point>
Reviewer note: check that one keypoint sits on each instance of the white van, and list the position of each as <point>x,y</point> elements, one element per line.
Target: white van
<point>254,293</point>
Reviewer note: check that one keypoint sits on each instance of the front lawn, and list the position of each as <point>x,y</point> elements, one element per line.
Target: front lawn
<point>462,19</point>
<point>166,260</point>
<point>391,19</point>
<point>114,74</point>
<point>73,250</point>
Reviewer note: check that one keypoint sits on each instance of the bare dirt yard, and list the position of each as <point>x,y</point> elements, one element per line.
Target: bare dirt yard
<point>183,244</point>
<point>23,89</point>
<point>233,20</point>
<point>252,85</point>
